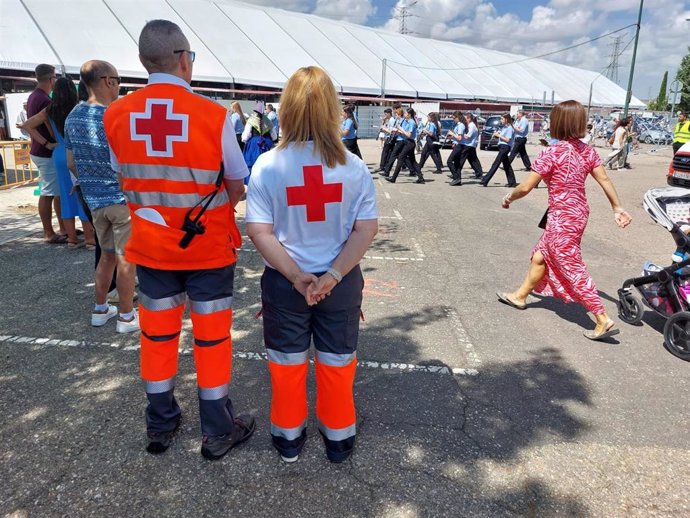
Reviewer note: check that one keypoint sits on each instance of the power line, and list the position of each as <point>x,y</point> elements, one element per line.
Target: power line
<point>523,59</point>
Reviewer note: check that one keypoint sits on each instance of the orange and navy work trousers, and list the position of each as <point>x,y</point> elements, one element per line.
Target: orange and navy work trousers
<point>161,306</point>
<point>289,327</point>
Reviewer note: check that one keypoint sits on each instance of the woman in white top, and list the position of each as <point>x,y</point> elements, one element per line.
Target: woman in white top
<point>616,159</point>
<point>311,213</point>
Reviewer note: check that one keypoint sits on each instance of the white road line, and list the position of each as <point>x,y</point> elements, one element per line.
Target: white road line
<point>418,248</point>
<point>245,355</point>
<point>387,195</point>
<point>462,338</point>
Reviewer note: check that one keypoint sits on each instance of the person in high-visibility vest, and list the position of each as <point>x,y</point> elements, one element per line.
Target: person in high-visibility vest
<point>182,173</point>
<point>681,135</point>
<point>311,212</point>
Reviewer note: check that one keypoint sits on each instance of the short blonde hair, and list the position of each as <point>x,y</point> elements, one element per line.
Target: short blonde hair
<point>310,110</point>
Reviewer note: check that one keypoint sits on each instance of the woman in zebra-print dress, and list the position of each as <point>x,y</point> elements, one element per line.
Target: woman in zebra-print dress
<point>557,268</point>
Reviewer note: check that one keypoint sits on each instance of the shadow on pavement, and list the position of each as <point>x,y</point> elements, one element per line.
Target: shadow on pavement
<point>428,444</point>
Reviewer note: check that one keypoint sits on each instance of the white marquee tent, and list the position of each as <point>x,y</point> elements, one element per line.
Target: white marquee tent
<point>251,46</point>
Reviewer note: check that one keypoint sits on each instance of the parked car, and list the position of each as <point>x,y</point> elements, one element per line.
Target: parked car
<point>487,139</point>
<point>679,170</point>
<point>446,126</point>
<point>655,136</point>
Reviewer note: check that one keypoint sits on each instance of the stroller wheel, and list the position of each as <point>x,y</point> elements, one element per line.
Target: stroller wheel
<point>630,309</point>
<point>677,335</point>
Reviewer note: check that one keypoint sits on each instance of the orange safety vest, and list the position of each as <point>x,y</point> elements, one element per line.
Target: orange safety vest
<point>168,143</point>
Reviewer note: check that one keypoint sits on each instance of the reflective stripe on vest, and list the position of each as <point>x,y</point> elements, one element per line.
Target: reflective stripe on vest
<point>339,434</point>
<point>178,201</point>
<point>168,172</point>
<point>682,133</point>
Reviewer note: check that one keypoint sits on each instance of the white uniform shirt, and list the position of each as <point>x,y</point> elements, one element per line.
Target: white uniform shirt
<point>312,232</point>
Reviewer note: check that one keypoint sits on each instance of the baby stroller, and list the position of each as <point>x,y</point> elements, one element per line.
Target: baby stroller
<point>665,290</point>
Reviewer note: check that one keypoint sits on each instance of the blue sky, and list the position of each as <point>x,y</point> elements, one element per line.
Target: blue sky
<point>533,27</point>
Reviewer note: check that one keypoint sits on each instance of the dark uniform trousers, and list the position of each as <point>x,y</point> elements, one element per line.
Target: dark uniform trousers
<point>519,149</point>
<point>289,327</point>
<point>161,306</point>
<point>469,154</point>
<point>433,151</point>
<point>501,158</point>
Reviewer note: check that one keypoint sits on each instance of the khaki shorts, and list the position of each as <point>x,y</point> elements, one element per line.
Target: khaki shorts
<point>113,228</point>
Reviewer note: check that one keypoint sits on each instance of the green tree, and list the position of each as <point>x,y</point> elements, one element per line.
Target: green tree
<point>683,76</point>
<point>661,98</point>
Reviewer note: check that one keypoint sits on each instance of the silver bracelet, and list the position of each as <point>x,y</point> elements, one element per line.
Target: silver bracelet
<point>335,274</point>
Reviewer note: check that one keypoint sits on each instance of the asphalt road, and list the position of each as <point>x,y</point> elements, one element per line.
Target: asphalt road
<point>466,407</point>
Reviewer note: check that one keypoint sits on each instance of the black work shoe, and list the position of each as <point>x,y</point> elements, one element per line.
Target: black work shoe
<point>385,175</point>
<point>457,181</point>
<point>419,180</point>
<point>214,448</point>
<point>159,442</point>
<point>412,174</point>
<point>388,179</point>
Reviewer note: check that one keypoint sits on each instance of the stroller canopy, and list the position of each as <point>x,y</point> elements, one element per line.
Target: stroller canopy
<point>668,206</point>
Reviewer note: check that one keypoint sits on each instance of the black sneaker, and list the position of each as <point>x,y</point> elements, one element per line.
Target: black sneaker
<point>159,442</point>
<point>214,448</point>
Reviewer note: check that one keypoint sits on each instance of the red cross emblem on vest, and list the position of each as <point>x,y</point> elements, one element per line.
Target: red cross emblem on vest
<point>314,193</point>
<point>159,127</point>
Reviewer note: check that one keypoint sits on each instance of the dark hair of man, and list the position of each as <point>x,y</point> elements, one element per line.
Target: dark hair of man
<point>396,106</point>
<point>44,72</point>
<point>158,41</point>
<point>388,110</point>
<point>568,121</point>
<point>65,98</point>
<point>92,71</point>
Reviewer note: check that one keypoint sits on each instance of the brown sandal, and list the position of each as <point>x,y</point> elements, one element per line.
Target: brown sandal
<point>609,331</point>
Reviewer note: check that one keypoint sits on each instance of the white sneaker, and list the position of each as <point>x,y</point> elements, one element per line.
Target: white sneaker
<point>100,319</point>
<point>125,326</point>
<point>289,460</point>
<point>113,296</point>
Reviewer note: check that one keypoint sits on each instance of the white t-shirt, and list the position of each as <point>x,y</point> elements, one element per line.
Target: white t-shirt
<point>312,223</point>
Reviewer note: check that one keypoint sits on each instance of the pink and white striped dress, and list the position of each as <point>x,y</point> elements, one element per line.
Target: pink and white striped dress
<point>564,168</point>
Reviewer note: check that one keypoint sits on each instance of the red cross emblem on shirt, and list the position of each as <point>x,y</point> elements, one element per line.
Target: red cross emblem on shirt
<point>314,193</point>
<point>159,127</point>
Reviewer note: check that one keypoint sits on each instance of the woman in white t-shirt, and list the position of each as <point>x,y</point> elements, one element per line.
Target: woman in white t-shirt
<point>311,213</point>
<point>616,159</point>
